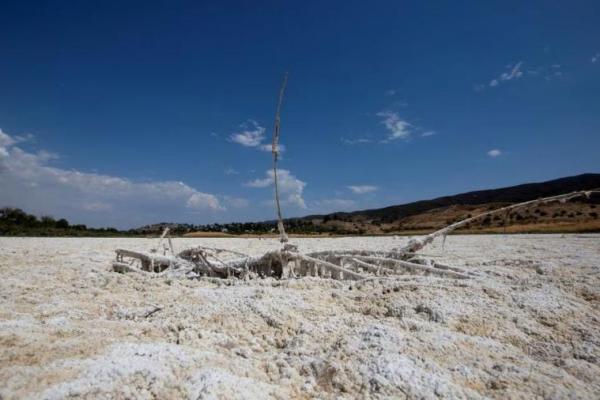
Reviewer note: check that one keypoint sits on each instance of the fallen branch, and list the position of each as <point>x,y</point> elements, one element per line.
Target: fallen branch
<point>417,244</point>
<point>397,264</point>
<point>335,270</point>
<point>376,269</point>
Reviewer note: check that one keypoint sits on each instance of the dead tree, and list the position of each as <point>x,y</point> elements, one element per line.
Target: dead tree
<point>288,262</point>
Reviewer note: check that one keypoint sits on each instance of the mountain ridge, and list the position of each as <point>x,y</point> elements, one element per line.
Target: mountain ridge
<point>508,194</point>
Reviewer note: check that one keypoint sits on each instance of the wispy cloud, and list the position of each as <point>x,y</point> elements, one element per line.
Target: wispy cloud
<point>8,140</point>
<point>355,141</point>
<point>391,92</point>
<point>362,189</point>
<point>396,126</point>
<point>514,72</point>
<point>231,171</point>
<point>494,153</point>
<point>595,58</point>
<point>29,180</point>
<point>290,187</point>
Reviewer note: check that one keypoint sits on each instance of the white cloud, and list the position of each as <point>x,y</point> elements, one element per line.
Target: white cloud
<point>260,183</point>
<point>362,189</point>
<point>494,153</point>
<point>29,181</point>
<point>6,140</point>
<point>391,92</point>
<point>595,58</point>
<point>252,135</point>
<point>355,141</point>
<point>231,171</point>
<point>202,201</point>
<point>295,199</point>
<point>44,155</point>
<point>290,187</point>
<point>397,127</point>
<point>428,133</point>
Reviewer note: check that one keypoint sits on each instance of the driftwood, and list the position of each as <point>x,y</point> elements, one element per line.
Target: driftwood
<point>417,244</point>
<point>289,262</point>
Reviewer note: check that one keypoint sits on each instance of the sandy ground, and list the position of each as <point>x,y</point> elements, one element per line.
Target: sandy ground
<point>528,326</point>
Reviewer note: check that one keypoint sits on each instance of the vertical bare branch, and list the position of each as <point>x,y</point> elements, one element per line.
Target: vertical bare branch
<point>275,149</point>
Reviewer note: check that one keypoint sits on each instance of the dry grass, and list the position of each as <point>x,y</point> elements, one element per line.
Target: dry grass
<point>208,235</point>
<point>544,227</point>
<point>254,235</point>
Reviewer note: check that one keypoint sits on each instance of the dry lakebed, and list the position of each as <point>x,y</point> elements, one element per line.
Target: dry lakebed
<point>526,325</point>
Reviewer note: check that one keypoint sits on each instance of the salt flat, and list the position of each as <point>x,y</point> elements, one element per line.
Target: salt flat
<point>527,326</point>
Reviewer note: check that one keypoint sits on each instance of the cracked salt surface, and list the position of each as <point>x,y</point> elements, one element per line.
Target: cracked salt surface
<point>526,326</point>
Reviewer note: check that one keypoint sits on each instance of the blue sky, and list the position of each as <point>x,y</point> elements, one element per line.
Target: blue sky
<point>127,113</point>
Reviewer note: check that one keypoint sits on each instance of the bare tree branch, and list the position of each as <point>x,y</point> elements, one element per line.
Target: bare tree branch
<point>417,244</point>
<point>283,238</point>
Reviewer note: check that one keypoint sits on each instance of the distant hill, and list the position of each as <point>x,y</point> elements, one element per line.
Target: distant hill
<point>435,213</point>
<point>511,194</point>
